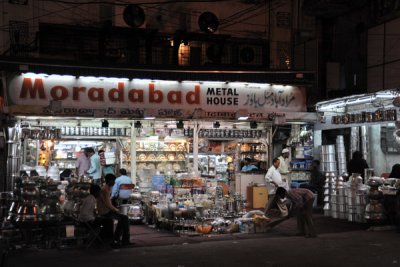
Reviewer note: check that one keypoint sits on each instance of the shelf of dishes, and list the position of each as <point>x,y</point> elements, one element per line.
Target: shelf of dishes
<point>161,157</point>
<point>163,166</point>
<point>160,146</point>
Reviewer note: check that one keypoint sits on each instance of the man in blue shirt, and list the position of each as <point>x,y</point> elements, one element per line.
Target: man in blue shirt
<point>123,194</point>
<point>95,167</point>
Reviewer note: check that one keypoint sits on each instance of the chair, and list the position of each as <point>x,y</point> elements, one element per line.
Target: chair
<point>93,234</point>
<point>124,187</point>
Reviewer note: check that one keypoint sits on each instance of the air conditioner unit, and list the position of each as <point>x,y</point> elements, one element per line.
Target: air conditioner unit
<point>119,18</point>
<point>250,55</point>
<point>194,19</point>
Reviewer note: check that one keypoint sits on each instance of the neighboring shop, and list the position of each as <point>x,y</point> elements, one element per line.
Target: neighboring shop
<point>183,143</point>
<point>368,124</point>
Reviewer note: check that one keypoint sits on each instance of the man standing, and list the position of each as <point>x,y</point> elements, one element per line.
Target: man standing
<point>82,163</point>
<point>274,179</point>
<point>284,165</point>
<point>95,167</point>
<point>302,203</point>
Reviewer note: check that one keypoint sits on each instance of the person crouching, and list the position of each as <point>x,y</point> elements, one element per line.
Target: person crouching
<point>301,204</point>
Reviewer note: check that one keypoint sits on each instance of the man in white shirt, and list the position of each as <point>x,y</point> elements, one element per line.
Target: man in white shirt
<point>274,179</point>
<point>284,165</point>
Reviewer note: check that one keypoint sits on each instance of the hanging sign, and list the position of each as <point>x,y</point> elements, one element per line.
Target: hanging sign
<point>32,94</point>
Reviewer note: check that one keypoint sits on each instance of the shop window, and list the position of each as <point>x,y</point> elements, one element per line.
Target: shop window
<point>388,141</point>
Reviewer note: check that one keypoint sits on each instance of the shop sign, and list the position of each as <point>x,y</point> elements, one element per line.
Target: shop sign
<point>362,117</point>
<point>32,94</point>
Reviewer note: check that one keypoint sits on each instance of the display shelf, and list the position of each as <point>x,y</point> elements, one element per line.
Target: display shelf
<point>160,160</point>
<point>168,151</point>
<point>92,137</point>
<point>252,152</point>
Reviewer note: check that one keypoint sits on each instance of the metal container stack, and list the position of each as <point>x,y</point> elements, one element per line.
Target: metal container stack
<point>374,210</point>
<point>338,199</point>
<point>328,159</point>
<point>329,178</point>
<point>341,155</point>
<point>355,199</point>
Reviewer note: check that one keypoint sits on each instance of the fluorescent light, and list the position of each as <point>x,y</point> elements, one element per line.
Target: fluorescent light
<point>149,118</point>
<point>242,118</point>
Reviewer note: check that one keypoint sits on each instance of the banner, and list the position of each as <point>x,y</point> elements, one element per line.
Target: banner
<point>112,97</point>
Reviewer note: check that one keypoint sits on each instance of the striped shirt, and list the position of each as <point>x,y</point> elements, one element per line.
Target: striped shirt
<point>299,196</point>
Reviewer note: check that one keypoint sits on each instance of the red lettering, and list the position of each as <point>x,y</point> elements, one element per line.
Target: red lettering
<point>59,92</point>
<point>119,92</point>
<point>193,97</point>
<point>75,92</point>
<point>174,97</point>
<point>96,94</point>
<point>135,95</point>
<point>156,96</point>
<point>37,87</point>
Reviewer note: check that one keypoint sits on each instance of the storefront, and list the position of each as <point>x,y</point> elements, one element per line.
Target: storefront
<point>368,124</point>
<point>183,143</point>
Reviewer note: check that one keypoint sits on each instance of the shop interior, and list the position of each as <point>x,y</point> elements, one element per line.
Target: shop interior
<point>185,171</point>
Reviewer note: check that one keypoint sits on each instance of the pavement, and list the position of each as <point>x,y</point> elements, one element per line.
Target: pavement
<point>339,243</point>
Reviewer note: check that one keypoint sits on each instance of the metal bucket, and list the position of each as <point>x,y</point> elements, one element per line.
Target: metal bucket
<point>328,149</point>
<point>329,166</point>
<point>328,157</point>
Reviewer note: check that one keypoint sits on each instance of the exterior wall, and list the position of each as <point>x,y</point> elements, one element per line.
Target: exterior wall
<point>383,56</point>
<point>237,19</point>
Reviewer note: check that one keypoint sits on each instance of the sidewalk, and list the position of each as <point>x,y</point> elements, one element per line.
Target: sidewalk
<point>144,236</point>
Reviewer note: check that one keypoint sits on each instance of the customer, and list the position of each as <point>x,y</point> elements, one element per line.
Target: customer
<point>395,173</point>
<point>247,167</point>
<point>317,181</point>
<point>95,167</point>
<point>106,209</point>
<point>357,164</point>
<point>301,204</point>
<point>284,165</point>
<point>82,163</point>
<point>274,179</point>
<point>88,213</point>
<point>123,194</point>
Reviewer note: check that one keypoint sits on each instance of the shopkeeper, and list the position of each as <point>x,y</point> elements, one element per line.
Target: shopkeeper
<point>284,165</point>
